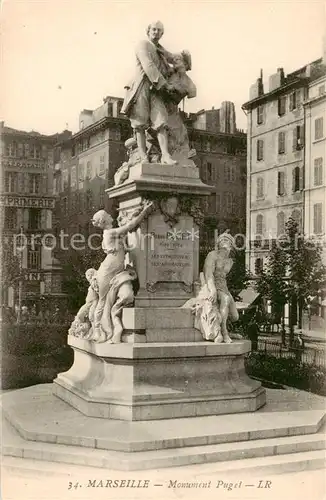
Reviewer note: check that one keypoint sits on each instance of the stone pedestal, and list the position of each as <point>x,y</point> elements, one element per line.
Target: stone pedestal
<point>165,248</point>
<point>160,380</point>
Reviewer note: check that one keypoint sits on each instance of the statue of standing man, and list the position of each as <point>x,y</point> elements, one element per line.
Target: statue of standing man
<point>144,104</point>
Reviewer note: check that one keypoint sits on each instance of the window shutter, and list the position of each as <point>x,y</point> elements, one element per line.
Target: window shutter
<point>316,172</point>
<point>298,97</point>
<point>301,136</point>
<point>294,180</point>
<point>301,178</point>
<point>283,177</point>
<point>44,184</point>
<point>317,218</point>
<point>295,138</point>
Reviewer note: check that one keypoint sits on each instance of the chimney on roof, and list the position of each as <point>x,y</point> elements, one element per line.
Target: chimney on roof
<point>227,117</point>
<point>276,80</point>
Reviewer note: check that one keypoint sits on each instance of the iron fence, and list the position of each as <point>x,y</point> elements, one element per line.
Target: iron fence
<point>308,356</point>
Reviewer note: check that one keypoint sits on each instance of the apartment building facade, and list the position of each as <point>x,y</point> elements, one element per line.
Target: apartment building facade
<point>276,170</point>
<point>27,204</point>
<point>315,157</point>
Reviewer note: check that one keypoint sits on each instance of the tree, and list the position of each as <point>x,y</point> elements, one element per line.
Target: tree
<point>239,276</point>
<point>9,269</point>
<point>271,283</point>
<point>294,271</point>
<point>74,265</point>
<point>306,272</point>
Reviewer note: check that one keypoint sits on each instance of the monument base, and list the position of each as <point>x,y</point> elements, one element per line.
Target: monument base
<point>152,381</point>
<point>285,435</point>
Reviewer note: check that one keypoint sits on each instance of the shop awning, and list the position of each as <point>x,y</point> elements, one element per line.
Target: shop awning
<point>247,297</point>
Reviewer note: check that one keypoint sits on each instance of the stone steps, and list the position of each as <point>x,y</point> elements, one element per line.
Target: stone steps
<point>40,416</point>
<point>279,464</point>
<point>273,449</point>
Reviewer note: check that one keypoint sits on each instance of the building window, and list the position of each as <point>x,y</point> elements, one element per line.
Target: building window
<point>74,203</point>
<point>318,172</point>
<point>218,203</point>
<point>259,224</point>
<point>35,151</point>
<point>20,150</point>
<point>88,170</point>
<point>65,205</point>
<point>81,172</point>
<point>318,221</point>
<point>281,105</point>
<point>229,203</point>
<point>319,128</point>
<point>281,183</point>
<point>89,200</point>
<point>57,185</point>
<point>110,108</point>
<point>296,180</point>
<point>280,224</point>
<point>321,90</point>
<point>229,173</point>
<point>209,171</point>
<point>260,115</point>
<point>73,177</point>
<point>115,134</point>
<point>260,150</point>
<point>11,149</point>
<point>294,99</point>
<point>119,106</point>
<point>26,150</point>
<point>34,257</point>
<point>56,283</point>
<point>11,182</point>
<point>102,194</point>
<point>281,142</point>
<point>85,143</point>
<point>297,217</point>
<point>298,140</point>
<point>205,204</point>
<point>102,164</point>
<point>65,178</point>
<point>34,218</point>
<point>34,183</point>
<point>212,203</point>
<point>81,202</point>
<point>259,264</point>
<point>260,188</point>
<point>10,221</point>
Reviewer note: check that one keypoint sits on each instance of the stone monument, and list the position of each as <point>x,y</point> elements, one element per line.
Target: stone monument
<point>149,355</point>
<point>157,379</point>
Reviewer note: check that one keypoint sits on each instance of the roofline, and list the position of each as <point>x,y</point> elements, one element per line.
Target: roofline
<point>298,82</point>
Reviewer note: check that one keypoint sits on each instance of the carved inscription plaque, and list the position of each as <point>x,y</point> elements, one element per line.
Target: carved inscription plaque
<point>170,251</point>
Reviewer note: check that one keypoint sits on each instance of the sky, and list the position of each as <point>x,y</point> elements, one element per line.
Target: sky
<point>61,56</point>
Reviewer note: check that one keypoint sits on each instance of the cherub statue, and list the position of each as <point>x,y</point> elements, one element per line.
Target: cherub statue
<point>122,173</point>
<point>82,326</point>
<point>114,280</point>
